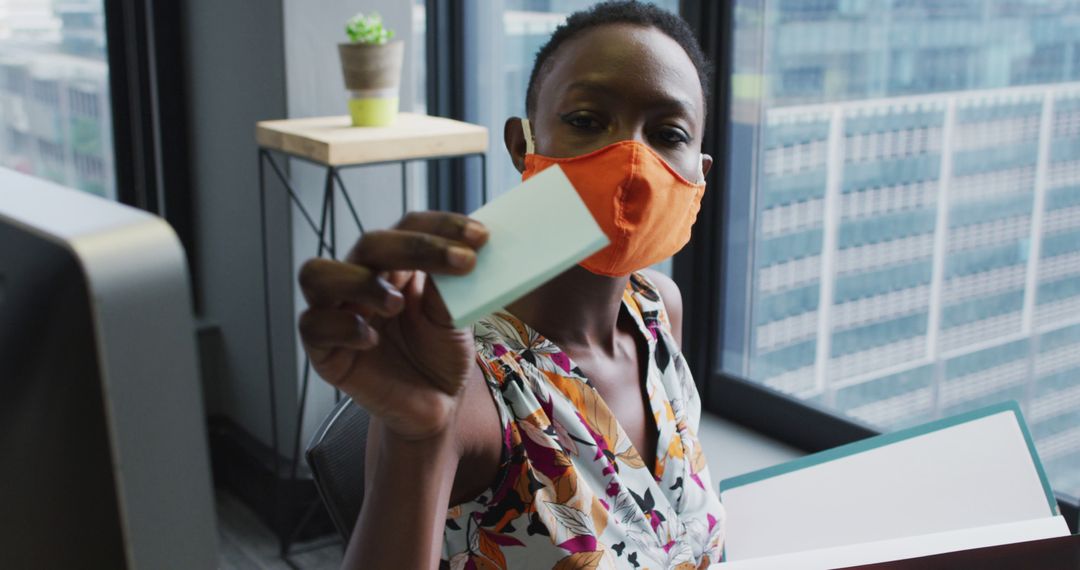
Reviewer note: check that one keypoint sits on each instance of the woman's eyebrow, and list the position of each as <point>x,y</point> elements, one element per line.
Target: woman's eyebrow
<point>665,101</point>
<point>594,87</point>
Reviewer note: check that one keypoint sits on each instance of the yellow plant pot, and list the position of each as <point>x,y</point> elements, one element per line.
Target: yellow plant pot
<point>373,111</point>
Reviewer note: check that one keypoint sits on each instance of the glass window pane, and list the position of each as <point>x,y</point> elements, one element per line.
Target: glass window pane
<point>55,111</point>
<point>419,63</point>
<point>911,173</point>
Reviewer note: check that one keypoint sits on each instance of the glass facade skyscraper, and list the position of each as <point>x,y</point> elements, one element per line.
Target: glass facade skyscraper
<point>55,112</point>
<point>915,199</point>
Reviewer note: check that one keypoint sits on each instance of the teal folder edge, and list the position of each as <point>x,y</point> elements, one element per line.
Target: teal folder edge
<point>893,437</point>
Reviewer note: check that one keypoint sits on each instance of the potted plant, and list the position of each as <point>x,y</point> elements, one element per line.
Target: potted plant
<point>371,64</point>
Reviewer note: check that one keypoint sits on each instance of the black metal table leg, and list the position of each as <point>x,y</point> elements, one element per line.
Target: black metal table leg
<point>404,187</point>
<point>333,210</point>
<point>483,179</point>
<point>326,223</point>
<point>349,202</point>
<point>269,347</point>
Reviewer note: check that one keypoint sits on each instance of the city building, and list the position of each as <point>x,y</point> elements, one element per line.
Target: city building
<point>55,111</point>
<point>917,242</point>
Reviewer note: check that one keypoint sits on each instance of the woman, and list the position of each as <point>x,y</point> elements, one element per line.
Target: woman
<point>559,432</point>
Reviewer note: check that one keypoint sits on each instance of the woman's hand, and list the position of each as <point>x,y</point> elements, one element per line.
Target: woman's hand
<point>377,329</point>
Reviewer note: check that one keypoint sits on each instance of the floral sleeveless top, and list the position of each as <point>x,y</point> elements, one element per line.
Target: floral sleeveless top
<point>572,492</point>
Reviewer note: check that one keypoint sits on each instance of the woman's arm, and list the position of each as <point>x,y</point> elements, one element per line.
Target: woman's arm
<point>415,484</point>
<point>377,329</point>
<point>405,500</point>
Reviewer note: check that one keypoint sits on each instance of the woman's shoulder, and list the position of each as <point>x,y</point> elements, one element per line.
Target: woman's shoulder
<point>661,285</point>
<point>500,333</point>
<point>675,374</point>
<point>659,290</point>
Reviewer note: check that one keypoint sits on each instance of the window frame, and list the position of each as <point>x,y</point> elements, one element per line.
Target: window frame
<point>446,92</point>
<point>144,51</point>
<point>699,270</point>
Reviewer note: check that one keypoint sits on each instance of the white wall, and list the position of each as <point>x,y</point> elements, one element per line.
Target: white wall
<point>250,61</point>
<point>235,76</point>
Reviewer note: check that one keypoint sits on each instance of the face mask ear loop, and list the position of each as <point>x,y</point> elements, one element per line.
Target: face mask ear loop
<point>530,147</point>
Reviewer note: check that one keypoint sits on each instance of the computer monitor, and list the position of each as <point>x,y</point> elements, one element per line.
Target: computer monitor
<point>103,460</point>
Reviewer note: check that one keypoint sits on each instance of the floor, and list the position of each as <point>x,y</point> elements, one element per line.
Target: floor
<point>245,543</point>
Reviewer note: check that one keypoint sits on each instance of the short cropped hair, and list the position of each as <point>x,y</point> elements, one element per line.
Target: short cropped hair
<point>619,12</point>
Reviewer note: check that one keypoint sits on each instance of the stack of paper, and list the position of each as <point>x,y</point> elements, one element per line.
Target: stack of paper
<point>537,230</point>
<point>964,482</point>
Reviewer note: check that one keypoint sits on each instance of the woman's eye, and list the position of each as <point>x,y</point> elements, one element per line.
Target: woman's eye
<point>582,122</point>
<point>673,136</point>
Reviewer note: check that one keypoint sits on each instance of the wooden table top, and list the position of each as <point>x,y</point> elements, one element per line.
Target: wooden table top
<point>334,142</point>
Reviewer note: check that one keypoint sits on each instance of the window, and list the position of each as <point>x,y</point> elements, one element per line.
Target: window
<point>419,63</point>
<point>902,238</point>
<point>803,80</point>
<point>55,91</point>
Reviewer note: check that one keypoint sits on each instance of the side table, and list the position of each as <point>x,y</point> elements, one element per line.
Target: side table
<point>333,144</point>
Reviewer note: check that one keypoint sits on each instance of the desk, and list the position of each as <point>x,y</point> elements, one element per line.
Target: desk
<point>334,144</point>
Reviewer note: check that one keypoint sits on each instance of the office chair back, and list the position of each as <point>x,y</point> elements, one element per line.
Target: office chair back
<point>336,457</point>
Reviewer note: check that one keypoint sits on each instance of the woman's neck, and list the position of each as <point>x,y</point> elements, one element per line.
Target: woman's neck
<point>576,309</point>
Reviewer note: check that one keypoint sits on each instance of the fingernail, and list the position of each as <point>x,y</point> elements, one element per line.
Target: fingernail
<point>460,257</point>
<point>393,302</point>
<point>475,232</point>
<point>366,337</point>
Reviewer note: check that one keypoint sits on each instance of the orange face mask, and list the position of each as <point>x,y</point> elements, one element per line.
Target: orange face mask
<point>645,208</point>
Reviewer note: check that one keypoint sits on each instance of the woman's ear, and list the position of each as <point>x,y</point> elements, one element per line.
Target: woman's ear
<point>514,137</point>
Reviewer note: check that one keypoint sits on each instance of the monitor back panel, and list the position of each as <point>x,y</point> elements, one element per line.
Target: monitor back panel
<point>103,459</point>
<point>57,495</point>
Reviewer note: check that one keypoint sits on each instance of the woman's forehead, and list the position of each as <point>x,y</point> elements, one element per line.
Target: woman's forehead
<point>635,62</point>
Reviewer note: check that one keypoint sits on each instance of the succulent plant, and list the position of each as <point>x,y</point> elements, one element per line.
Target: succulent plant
<point>367,29</point>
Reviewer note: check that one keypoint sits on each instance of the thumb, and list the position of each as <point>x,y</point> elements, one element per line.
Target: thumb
<point>433,306</point>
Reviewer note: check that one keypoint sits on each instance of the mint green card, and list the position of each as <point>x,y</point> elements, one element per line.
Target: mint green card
<point>537,230</point>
